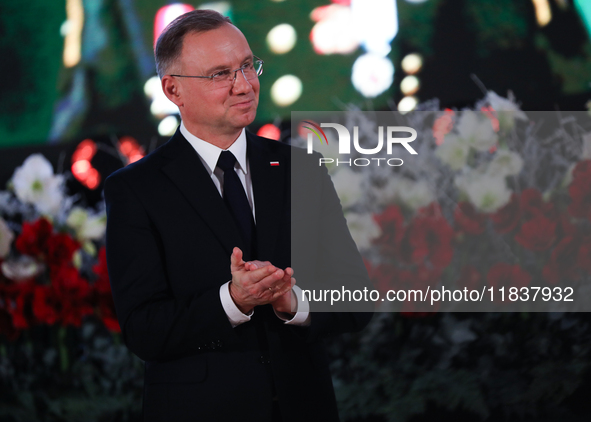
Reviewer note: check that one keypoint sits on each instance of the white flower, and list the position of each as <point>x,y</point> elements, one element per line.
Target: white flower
<point>34,183</point>
<point>22,268</point>
<point>486,193</point>
<point>363,229</point>
<point>505,163</point>
<point>453,152</point>
<point>348,186</point>
<point>6,238</point>
<point>415,194</point>
<point>87,226</point>
<point>568,176</point>
<point>506,109</point>
<point>586,146</point>
<point>476,130</point>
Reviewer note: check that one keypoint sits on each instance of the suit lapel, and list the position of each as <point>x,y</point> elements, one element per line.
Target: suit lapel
<point>271,190</point>
<point>187,172</point>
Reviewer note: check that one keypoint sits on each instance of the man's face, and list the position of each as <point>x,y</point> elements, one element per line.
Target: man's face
<point>207,109</point>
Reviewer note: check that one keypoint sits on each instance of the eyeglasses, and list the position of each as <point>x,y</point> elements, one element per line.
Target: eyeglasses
<point>226,77</point>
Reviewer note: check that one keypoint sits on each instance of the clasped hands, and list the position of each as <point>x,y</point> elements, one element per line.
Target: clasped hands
<point>259,283</point>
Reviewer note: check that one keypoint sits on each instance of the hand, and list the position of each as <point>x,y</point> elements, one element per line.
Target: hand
<point>286,302</point>
<point>253,285</point>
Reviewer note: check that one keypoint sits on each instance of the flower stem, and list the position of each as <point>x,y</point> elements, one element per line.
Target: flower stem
<point>63,350</point>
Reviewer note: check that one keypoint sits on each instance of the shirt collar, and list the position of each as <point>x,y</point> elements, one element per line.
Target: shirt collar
<point>210,154</point>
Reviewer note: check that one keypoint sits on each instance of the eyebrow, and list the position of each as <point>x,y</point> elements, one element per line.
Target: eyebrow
<point>222,67</point>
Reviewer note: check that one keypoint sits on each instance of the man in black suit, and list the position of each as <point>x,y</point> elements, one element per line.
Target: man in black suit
<point>224,336</point>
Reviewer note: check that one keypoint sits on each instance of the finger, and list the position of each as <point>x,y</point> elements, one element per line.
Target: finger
<point>289,271</point>
<point>287,277</point>
<point>253,265</point>
<point>269,273</point>
<point>236,261</point>
<point>285,288</point>
<point>271,283</point>
<point>279,286</point>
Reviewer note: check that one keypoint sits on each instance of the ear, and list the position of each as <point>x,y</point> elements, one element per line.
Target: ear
<point>172,89</point>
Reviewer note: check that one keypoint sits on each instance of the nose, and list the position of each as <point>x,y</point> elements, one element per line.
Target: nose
<point>240,84</point>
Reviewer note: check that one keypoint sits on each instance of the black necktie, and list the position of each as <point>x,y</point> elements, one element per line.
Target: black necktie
<point>237,202</point>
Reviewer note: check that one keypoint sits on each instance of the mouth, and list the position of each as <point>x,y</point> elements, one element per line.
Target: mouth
<point>244,104</point>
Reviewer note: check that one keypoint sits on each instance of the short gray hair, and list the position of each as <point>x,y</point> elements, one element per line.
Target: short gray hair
<point>170,42</point>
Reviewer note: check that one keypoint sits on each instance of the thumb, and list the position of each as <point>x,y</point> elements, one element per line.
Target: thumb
<point>236,261</point>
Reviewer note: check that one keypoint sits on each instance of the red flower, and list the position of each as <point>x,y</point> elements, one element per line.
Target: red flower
<point>430,238</point>
<point>111,322</point>
<point>469,278</point>
<point>431,210</point>
<point>384,276</point>
<point>468,220</point>
<point>73,293</point>
<point>100,268</point>
<point>107,314</point>
<point>507,218</point>
<point>60,249</point>
<point>563,261</point>
<point>531,204</point>
<point>102,284</point>
<point>566,226</point>
<point>537,234</point>
<point>104,297</point>
<point>68,279</point>
<point>72,313</point>
<point>45,305</point>
<point>420,279</point>
<point>580,191</point>
<point>391,221</point>
<point>18,298</point>
<point>584,254</point>
<point>506,275</point>
<point>34,236</point>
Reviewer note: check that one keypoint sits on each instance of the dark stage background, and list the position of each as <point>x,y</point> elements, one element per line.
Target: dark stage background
<point>78,86</point>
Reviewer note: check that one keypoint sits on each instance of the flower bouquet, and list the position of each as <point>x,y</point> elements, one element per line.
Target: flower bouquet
<point>498,202</point>
<point>61,356</point>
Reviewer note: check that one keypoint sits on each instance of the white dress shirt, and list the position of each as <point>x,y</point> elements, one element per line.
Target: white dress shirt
<point>209,155</point>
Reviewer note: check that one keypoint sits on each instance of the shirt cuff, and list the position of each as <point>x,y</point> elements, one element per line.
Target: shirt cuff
<point>302,316</point>
<point>235,316</point>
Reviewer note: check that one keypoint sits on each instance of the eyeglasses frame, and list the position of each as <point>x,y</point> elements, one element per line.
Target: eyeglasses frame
<point>241,69</point>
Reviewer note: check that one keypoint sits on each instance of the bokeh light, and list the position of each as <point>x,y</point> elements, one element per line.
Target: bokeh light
<point>168,126</point>
<point>286,90</point>
<point>412,63</point>
<point>130,149</point>
<point>407,104</point>
<point>410,85</point>
<point>167,14</point>
<point>81,168</point>
<point>372,74</point>
<point>270,131</point>
<point>332,33</point>
<point>282,38</point>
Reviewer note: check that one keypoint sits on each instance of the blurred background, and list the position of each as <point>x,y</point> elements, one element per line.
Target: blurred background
<point>75,70</point>
<point>79,86</point>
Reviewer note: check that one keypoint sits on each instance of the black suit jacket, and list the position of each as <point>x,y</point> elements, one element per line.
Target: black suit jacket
<point>169,241</point>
